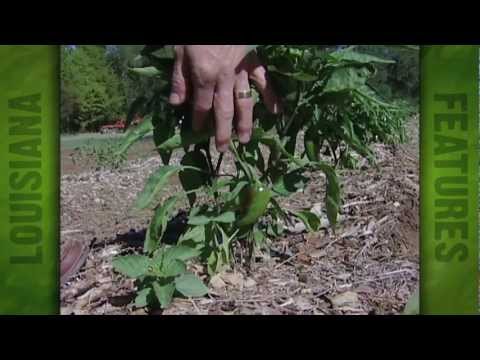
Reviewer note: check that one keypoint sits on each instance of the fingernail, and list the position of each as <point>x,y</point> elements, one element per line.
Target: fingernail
<point>244,137</point>
<point>174,99</point>
<point>222,148</point>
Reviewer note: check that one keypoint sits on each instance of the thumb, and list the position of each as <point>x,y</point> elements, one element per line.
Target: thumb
<point>178,92</point>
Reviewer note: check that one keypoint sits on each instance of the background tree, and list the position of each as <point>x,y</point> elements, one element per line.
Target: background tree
<point>92,92</point>
<point>400,79</point>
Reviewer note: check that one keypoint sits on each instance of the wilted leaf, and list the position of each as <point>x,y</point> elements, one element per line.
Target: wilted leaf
<point>217,282</point>
<point>236,279</point>
<point>348,298</point>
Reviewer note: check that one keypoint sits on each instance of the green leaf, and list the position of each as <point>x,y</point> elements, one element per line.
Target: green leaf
<point>183,140</point>
<point>135,134</point>
<point>346,79</point>
<point>232,195</point>
<point>312,221</point>
<point>166,52</point>
<point>290,183</point>
<point>197,234</point>
<point>358,58</point>
<point>312,144</point>
<point>180,252</point>
<point>199,220</point>
<point>299,76</point>
<point>149,71</point>
<point>275,146</point>
<point>259,238</point>
<point>164,292</point>
<point>190,286</point>
<point>133,266</point>
<point>225,245</point>
<point>154,184</point>
<point>143,298</point>
<point>164,129</point>
<point>159,224</point>
<point>171,144</point>
<point>220,183</point>
<point>191,179</point>
<point>213,263</point>
<point>173,267</point>
<point>333,195</point>
<point>167,264</point>
<point>226,218</point>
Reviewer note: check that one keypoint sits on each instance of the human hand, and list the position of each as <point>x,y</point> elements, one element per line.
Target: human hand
<point>217,77</point>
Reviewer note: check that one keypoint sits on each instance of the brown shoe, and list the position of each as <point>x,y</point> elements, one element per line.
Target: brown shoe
<point>73,256</point>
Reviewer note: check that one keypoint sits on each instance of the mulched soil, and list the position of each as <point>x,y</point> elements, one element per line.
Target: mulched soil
<point>368,266</point>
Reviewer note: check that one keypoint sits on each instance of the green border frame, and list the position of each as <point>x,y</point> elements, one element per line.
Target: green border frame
<point>29,179</point>
<point>449,180</point>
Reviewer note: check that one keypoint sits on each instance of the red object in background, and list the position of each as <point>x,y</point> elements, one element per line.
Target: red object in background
<point>119,125</point>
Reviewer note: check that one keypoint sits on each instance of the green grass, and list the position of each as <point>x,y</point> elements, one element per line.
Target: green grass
<point>74,141</point>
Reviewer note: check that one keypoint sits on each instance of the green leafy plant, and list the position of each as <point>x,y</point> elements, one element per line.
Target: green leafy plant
<point>105,154</point>
<point>327,101</point>
<point>162,275</point>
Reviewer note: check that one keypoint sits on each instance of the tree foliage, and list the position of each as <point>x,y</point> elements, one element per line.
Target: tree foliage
<point>92,93</point>
<point>400,79</point>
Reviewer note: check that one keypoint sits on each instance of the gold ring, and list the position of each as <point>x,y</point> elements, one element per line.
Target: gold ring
<point>245,94</point>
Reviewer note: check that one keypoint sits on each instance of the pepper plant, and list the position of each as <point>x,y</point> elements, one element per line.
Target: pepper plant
<point>327,99</point>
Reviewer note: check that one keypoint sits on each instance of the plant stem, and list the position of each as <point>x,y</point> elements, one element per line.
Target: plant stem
<point>294,113</point>
<point>245,168</point>
<point>206,147</point>
<point>219,164</point>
